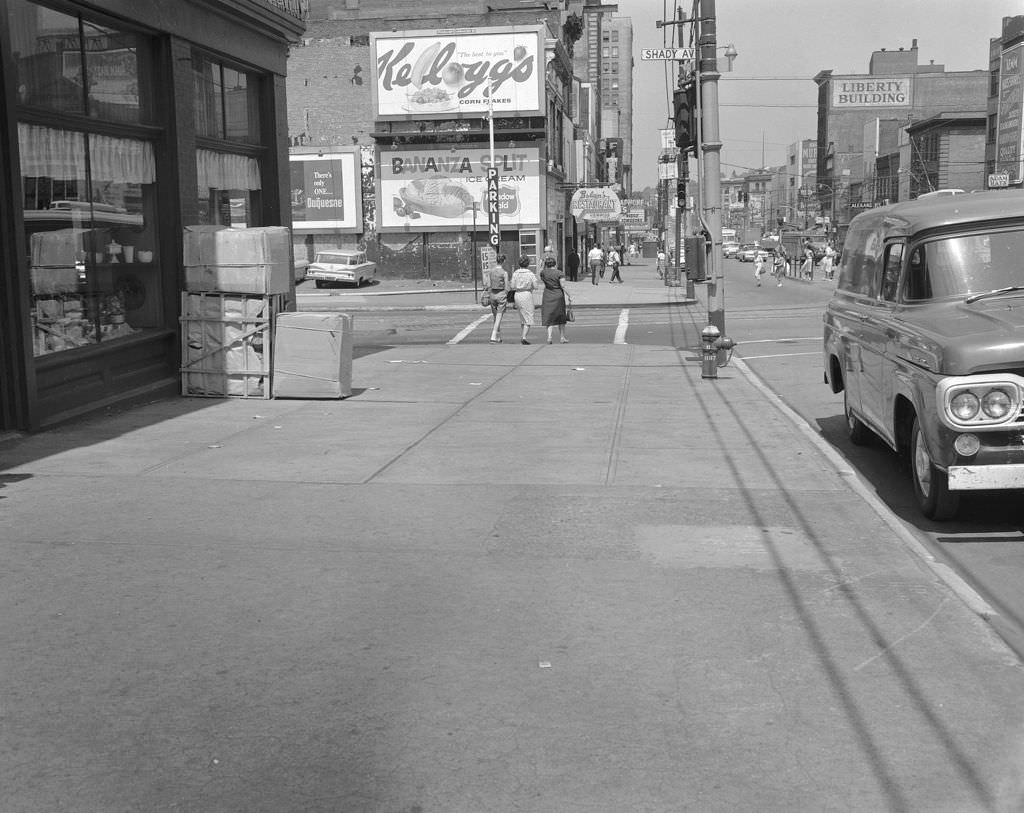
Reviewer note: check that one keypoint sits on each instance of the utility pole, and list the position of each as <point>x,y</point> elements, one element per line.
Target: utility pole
<point>711,146</point>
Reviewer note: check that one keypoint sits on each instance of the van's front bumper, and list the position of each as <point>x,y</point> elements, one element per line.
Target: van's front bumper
<point>981,478</point>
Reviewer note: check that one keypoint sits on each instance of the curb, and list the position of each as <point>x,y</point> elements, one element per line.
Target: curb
<point>470,308</point>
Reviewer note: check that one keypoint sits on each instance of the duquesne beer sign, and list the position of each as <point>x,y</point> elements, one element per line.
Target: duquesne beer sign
<point>459,72</point>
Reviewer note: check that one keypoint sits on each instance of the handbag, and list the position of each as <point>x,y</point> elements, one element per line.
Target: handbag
<point>485,299</point>
<point>569,315</point>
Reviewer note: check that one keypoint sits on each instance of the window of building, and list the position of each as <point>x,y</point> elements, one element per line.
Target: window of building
<point>615,52</point>
<point>227,121</point>
<point>88,177</point>
<point>67,64</point>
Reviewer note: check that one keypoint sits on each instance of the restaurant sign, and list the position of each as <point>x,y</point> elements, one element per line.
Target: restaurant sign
<point>595,205</point>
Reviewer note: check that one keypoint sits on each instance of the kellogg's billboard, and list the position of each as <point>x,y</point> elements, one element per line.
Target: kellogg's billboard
<point>458,72</point>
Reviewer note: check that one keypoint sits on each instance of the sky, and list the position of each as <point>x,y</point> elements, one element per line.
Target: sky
<point>769,100</point>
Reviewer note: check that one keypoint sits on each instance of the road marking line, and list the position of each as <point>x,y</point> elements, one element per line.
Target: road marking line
<point>462,334</point>
<point>620,331</point>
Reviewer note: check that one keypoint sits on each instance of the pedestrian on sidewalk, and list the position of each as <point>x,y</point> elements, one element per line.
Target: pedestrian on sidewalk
<point>827,269</point>
<point>595,259</point>
<point>497,281</point>
<point>779,264</point>
<point>660,264</point>
<point>573,265</point>
<point>807,266</point>
<point>523,284</point>
<point>759,260</point>
<point>556,298</point>
<point>614,263</point>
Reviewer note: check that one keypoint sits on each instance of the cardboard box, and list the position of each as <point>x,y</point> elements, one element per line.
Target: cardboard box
<point>217,245</point>
<point>226,344</point>
<point>253,278</point>
<point>312,355</point>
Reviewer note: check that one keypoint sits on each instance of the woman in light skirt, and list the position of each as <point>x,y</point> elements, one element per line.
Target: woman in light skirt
<point>521,286</point>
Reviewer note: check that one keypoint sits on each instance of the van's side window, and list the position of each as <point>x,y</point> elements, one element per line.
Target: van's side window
<point>891,271</point>
<point>861,254</point>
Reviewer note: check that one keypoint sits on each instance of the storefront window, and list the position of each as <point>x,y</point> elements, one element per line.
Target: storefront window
<point>89,208</point>
<point>67,64</point>
<point>228,189</point>
<point>227,114</point>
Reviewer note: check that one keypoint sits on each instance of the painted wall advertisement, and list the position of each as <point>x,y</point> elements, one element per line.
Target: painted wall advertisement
<point>438,74</point>
<point>326,192</point>
<point>887,92</point>
<point>1009,134</point>
<point>425,189</point>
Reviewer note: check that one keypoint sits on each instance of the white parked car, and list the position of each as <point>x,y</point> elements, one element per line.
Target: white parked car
<point>350,267</point>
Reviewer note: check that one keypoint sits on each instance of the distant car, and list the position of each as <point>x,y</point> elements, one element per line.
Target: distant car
<point>730,249</point>
<point>350,267</point>
<point>749,252</point>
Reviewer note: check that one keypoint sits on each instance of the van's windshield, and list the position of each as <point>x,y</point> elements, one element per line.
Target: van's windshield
<point>965,265</point>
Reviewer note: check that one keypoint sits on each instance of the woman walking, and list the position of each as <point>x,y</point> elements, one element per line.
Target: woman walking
<point>497,281</point>
<point>523,284</point>
<point>553,305</point>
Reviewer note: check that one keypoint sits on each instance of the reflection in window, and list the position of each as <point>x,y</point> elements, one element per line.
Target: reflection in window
<point>89,210</point>
<point>67,64</point>
<point>958,266</point>
<point>226,102</point>
<point>228,189</point>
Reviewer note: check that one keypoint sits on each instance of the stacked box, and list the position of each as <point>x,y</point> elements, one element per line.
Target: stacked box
<point>313,355</point>
<point>247,261</point>
<point>226,344</point>
<point>54,257</point>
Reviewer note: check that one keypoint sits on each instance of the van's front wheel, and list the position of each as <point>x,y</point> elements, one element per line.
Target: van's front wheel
<point>931,485</point>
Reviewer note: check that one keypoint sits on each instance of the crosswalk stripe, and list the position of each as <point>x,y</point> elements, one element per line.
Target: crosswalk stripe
<point>620,331</point>
<point>462,334</point>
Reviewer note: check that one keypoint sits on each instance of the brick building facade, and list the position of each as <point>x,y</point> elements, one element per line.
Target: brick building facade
<point>852,109</point>
<point>331,105</point>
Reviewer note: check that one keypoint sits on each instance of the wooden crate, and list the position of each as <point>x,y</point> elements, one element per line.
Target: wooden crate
<point>227,344</point>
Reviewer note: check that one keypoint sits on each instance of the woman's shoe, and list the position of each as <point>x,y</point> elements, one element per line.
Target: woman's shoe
<point>524,341</point>
<point>564,340</point>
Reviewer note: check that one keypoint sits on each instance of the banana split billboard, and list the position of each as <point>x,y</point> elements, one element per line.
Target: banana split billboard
<point>435,188</point>
<point>458,72</point>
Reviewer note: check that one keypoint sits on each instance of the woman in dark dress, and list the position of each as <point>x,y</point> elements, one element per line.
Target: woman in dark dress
<point>552,306</point>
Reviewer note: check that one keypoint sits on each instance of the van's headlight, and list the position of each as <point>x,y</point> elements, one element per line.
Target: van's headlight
<point>981,400</point>
<point>964,406</point>
<point>996,404</point>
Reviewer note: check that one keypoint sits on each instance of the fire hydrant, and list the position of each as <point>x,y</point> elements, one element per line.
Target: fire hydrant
<point>715,351</point>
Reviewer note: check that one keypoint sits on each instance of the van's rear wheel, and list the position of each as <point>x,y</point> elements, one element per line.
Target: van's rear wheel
<point>858,433</point>
<point>931,485</point>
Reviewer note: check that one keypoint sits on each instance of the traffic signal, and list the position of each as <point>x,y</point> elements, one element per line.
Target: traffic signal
<point>681,194</point>
<point>685,116</point>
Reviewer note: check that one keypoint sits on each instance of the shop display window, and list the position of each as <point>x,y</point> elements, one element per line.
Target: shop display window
<point>90,221</point>
<point>229,189</point>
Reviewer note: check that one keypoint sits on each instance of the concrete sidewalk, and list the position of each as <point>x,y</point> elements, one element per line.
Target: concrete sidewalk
<point>496,578</point>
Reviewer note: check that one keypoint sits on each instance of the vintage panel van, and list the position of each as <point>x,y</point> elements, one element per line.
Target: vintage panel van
<point>924,337</point>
